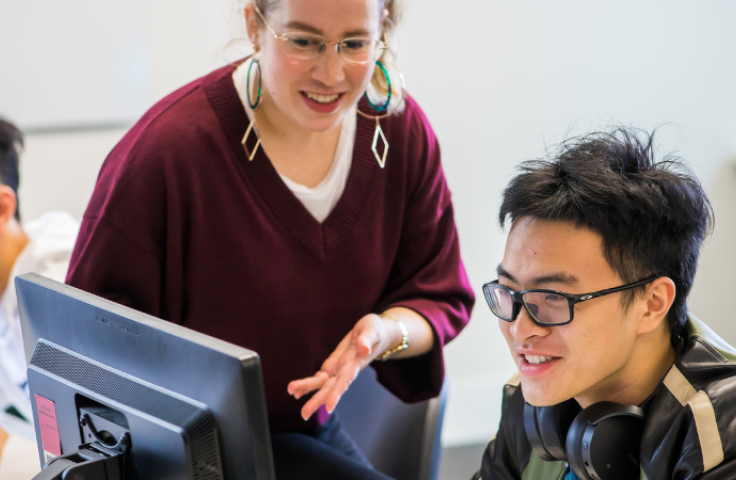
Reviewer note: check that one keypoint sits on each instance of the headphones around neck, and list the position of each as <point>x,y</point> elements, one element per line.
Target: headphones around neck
<point>600,442</point>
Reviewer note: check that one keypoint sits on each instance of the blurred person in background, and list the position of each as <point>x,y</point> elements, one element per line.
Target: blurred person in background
<point>292,203</point>
<point>42,246</point>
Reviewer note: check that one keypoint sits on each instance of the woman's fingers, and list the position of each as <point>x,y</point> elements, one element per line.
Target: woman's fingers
<point>366,336</point>
<point>341,368</point>
<point>332,390</point>
<point>317,400</point>
<point>344,353</point>
<point>331,364</point>
<point>347,375</point>
<point>299,388</point>
<point>363,345</point>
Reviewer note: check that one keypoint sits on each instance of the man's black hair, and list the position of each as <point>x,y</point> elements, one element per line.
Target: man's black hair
<point>653,215</point>
<point>11,141</point>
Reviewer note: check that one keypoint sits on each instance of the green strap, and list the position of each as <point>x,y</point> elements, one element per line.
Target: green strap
<point>538,469</point>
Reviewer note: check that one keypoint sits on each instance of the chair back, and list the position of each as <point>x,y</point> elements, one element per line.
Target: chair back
<point>401,440</point>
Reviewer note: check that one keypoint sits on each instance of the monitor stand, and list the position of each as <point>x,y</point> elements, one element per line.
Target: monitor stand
<point>97,460</point>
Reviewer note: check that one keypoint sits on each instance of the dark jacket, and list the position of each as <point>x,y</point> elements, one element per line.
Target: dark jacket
<point>690,429</point>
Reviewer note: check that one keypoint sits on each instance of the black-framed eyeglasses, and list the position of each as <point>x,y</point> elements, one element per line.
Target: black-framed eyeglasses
<point>547,308</point>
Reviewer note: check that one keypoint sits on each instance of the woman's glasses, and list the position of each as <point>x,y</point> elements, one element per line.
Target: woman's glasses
<point>547,308</point>
<point>306,46</point>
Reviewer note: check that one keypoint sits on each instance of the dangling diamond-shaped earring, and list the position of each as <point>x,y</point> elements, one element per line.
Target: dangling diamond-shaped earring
<point>245,139</point>
<point>379,132</point>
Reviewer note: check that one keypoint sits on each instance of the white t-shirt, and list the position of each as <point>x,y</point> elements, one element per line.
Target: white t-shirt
<point>320,200</point>
<point>51,241</point>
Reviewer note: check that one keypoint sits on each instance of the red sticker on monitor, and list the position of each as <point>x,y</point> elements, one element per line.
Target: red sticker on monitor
<point>49,426</point>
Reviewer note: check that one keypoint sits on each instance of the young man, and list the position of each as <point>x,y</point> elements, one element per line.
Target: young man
<point>44,246</point>
<point>603,214</point>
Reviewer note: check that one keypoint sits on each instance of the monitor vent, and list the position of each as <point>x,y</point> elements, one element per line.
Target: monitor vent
<point>198,424</point>
<point>205,452</point>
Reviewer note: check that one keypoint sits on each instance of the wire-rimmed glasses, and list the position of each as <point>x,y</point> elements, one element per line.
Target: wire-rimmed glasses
<point>306,46</point>
<point>547,308</point>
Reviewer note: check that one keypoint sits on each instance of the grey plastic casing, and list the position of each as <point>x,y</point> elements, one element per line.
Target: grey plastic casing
<point>85,345</point>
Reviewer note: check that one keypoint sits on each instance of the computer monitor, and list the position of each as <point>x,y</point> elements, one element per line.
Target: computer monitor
<point>112,384</point>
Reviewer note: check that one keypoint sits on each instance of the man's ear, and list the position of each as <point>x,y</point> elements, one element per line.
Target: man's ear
<point>8,203</point>
<point>659,297</point>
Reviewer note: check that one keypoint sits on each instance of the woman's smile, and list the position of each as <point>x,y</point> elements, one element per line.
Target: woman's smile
<point>321,103</point>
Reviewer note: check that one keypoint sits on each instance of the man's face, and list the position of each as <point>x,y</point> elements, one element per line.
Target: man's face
<point>590,356</point>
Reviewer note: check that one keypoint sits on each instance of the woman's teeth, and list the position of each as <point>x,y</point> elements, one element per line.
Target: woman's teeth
<point>322,98</point>
<point>537,358</point>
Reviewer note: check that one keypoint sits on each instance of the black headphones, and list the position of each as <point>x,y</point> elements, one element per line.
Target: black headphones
<point>600,442</point>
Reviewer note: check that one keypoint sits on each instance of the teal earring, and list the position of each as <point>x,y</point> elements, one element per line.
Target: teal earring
<point>253,106</point>
<point>378,132</point>
<point>257,63</point>
<point>384,107</point>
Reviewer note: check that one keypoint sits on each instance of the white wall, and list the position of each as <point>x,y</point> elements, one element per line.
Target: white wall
<point>499,80</point>
<point>71,64</point>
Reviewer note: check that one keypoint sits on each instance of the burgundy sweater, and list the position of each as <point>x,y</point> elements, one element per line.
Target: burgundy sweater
<point>183,227</point>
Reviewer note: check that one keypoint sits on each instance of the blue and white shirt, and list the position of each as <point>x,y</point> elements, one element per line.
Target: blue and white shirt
<point>51,241</point>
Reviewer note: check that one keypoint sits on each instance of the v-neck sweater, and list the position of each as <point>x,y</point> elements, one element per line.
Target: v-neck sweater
<point>183,227</point>
<point>321,199</point>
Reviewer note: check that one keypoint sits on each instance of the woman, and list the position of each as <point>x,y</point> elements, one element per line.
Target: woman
<point>261,204</point>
